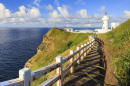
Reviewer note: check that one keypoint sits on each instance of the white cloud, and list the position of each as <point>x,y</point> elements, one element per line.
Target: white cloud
<point>36,2</point>
<point>31,16</point>
<point>22,19</point>
<point>63,12</point>
<point>124,17</point>
<point>97,16</point>
<point>49,7</point>
<point>29,5</point>
<point>103,9</point>
<point>27,13</point>
<point>127,13</point>
<point>54,14</point>
<point>4,13</point>
<point>82,2</point>
<point>66,18</point>
<point>83,13</point>
<point>34,12</point>
<point>22,11</point>
<point>88,25</point>
<point>57,2</point>
<point>12,20</point>
<point>25,16</point>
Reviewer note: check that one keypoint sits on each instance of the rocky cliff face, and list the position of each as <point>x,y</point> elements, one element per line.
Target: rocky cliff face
<point>55,42</point>
<point>47,45</point>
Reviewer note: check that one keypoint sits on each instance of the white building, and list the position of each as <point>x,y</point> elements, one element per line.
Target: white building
<point>69,29</point>
<point>83,31</point>
<point>105,25</point>
<point>114,25</point>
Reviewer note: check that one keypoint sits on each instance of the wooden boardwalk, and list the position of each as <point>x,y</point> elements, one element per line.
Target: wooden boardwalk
<point>79,77</point>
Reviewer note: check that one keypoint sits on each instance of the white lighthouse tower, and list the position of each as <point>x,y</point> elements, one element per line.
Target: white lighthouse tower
<point>105,21</point>
<point>105,24</point>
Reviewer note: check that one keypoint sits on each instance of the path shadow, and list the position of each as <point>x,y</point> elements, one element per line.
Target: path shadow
<point>102,60</point>
<point>95,57</point>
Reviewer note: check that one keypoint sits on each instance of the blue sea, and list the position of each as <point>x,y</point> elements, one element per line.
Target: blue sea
<point>17,45</point>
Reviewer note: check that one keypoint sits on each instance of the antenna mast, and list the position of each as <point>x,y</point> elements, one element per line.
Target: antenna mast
<point>55,23</point>
<point>105,13</point>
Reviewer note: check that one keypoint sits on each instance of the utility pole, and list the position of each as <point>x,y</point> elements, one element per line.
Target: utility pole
<point>55,23</point>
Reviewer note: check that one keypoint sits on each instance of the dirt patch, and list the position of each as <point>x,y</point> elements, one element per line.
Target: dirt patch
<point>107,64</point>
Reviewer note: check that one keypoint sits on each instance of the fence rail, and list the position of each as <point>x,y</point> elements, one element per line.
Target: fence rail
<point>26,76</point>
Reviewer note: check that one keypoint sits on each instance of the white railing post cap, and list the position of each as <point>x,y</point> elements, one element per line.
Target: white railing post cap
<point>82,45</point>
<point>23,71</point>
<point>71,51</point>
<point>85,44</point>
<point>58,58</point>
<point>78,48</point>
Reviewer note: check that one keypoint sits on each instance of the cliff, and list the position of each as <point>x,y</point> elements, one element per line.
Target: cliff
<point>56,42</point>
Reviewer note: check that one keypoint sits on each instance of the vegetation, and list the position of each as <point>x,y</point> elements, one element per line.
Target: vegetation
<point>56,42</point>
<point>118,44</point>
<point>103,83</point>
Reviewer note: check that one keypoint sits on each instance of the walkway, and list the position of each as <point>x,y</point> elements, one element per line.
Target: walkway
<point>79,77</point>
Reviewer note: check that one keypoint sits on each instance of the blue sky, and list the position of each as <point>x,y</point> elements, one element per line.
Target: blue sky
<point>70,13</point>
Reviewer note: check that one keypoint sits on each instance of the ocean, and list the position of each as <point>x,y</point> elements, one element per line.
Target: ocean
<point>17,45</point>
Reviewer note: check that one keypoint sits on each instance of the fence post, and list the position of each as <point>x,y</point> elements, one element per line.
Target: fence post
<point>25,75</point>
<point>82,51</point>
<point>72,61</point>
<point>93,43</point>
<point>59,71</point>
<point>78,55</point>
<point>85,49</point>
<point>94,39</point>
<point>88,47</point>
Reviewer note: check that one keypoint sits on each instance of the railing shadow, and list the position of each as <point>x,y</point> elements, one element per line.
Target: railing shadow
<point>102,60</point>
<point>87,81</point>
<point>87,66</point>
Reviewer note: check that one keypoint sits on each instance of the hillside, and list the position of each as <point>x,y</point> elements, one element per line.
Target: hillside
<point>56,42</point>
<point>118,44</point>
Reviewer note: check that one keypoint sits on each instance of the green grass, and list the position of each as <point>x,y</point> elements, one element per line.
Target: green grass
<point>56,42</point>
<point>103,83</point>
<point>118,44</point>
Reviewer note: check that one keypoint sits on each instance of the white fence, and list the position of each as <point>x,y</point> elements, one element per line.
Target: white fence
<point>26,76</point>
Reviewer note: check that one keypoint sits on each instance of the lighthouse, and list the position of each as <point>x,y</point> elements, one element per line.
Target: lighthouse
<point>105,21</point>
<point>105,25</point>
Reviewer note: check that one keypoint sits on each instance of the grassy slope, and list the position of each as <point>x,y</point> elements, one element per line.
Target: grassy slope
<point>118,44</point>
<point>55,42</point>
